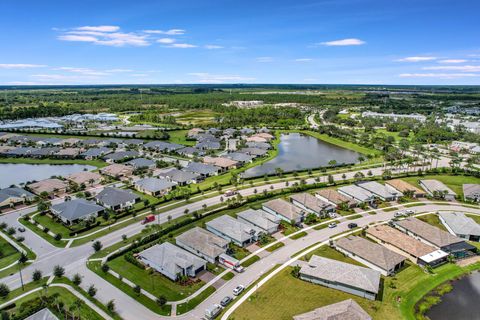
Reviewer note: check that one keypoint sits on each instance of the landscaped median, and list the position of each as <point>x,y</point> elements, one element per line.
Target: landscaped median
<point>15,255</point>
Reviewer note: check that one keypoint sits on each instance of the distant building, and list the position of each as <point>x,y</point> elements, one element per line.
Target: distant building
<point>120,156</point>
<point>394,116</point>
<point>360,281</point>
<point>141,163</point>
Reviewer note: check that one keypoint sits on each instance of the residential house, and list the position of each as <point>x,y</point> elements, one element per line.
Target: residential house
<point>71,212</point>
<point>371,254</point>
<point>242,158</point>
<point>154,187</point>
<point>380,191</point>
<point>458,224</point>
<point>401,186</point>
<point>53,187</point>
<point>436,188</point>
<point>43,314</point>
<point>117,170</point>
<point>117,199</point>
<point>120,156</point>
<point>343,310</point>
<point>141,163</point>
<point>208,145</point>
<point>255,152</point>
<point>261,219</point>
<point>223,163</point>
<point>204,170</point>
<point>172,261</point>
<point>360,281</point>
<point>335,198</point>
<point>95,153</point>
<point>415,250</point>
<point>192,133</point>
<point>179,177</point>
<point>202,243</point>
<point>70,142</point>
<point>10,197</point>
<point>259,145</point>
<point>284,210</point>
<point>233,230</point>
<point>358,194</point>
<point>190,152</point>
<point>312,204</point>
<point>436,237</point>
<point>471,192</point>
<point>86,178</point>
<point>68,153</point>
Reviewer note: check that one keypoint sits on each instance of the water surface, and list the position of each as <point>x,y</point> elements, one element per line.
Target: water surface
<point>17,173</point>
<point>302,152</point>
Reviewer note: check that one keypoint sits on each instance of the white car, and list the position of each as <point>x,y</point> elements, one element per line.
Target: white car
<point>409,212</point>
<point>332,225</point>
<point>238,289</point>
<point>399,214</point>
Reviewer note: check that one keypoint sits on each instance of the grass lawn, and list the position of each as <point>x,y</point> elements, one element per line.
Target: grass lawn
<point>475,217</point>
<point>95,163</point>
<point>228,276</point>
<point>432,219</point>
<point>250,261</point>
<point>276,246</point>
<point>152,281</point>
<point>8,254</point>
<point>34,228</point>
<point>415,205</point>
<point>197,117</point>
<point>453,182</point>
<point>298,235</point>
<point>278,299</point>
<point>180,137</point>
<point>330,253</point>
<point>355,216</point>
<point>191,304</point>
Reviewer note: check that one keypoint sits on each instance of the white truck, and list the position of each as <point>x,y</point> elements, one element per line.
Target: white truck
<point>230,262</point>
<point>213,311</point>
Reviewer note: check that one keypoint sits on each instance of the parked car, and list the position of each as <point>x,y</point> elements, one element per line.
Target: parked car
<point>332,225</point>
<point>225,301</point>
<point>399,214</point>
<point>148,219</point>
<point>21,229</point>
<point>213,312</point>
<point>239,289</point>
<point>230,193</point>
<point>352,225</point>
<point>409,212</point>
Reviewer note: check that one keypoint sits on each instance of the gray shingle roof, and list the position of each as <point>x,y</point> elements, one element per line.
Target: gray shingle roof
<point>76,209</point>
<point>471,190</point>
<point>113,196</point>
<point>43,314</point>
<point>343,310</point>
<point>260,218</point>
<point>428,232</point>
<point>17,192</point>
<point>154,184</point>
<point>459,223</point>
<point>284,208</point>
<point>140,163</point>
<point>311,202</point>
<point>203,241</point>
<point>343,273</point>
<point>178,175</point>
<point>120,155</point>
<point>233,228</point>
<point>201,168</point>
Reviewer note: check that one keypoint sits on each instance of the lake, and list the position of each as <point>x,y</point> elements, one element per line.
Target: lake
<point>16,173</point>
<point>462,303</point>
<point>302,152</point>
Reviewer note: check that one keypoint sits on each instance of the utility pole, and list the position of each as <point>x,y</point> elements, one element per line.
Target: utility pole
<point>21,278</point>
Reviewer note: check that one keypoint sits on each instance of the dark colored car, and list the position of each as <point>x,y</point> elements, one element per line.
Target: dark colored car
<point>352,225</point>
<point>225,301</point>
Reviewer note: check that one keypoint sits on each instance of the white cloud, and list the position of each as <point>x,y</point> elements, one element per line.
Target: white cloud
<point>343,42</point>
<point>99,28</point>
<point>84,71</point>
<point>118,70</point>
<point>264,59</point>
<point>182,45</point>
<point>166,40</point>
<point>205,77</point>
<point>20,66</point>
<point>212,46</point>
<point>438,75</point>
<point>416,59</point>
<point>140,75</point>
<point>452,61</point>
<point>171,32</point>
<point>455,68</point>
<point>303,60</point>
<point>78,38</point>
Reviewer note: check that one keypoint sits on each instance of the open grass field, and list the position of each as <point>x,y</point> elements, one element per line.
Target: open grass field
<point>8,254</point>
<point>197,117</point>
<point>95,163</point>
<point>434,220</point>
<point>180,136</point>
<point>152,281</point>
<point>280,297</point>
<point>453,182</point>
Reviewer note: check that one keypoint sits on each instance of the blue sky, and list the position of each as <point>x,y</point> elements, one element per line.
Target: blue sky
<point>323,41</point>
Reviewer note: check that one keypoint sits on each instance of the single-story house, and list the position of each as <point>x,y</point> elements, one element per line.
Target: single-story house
<point>95,153</point>
<point>256,152</point>
<point>343,310</point>
<point>51,186</point>
<point>190,152</point>
<point>72,211</point>
<point>172,261</point>
<point>179,177</point>
<point>358,194</point>
<point>223,163</point>
<point>202,243</point>
<point>70,142</point>
<point>371,254</point>
<point>208,145</point>
<point>141,163</point>
<point>458,224</point>
<point>284,210</point>
<point>117,170</point>
<point>68,153</point>
<point>204,170</point>
<point>436,188</point>
<point>415,250</point>
<point>120,156</point>
<point>380,191</point>
<point>260,145</point>
<point>43,314</point>
<point>116,199</point>
<point>154,186</point>
<point>239,157</point>
<point>360,281</point>
<point>312,204</point>
<point>404,187</point>
<point>192,133</point>
<point>162,146</point>
<point>85,177</point>
<point>435,237</point>
<point>9,197</point>
<point>471,192</point>
<point>261,219</point>
<point>233,230</point>
<point>335,198</point>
